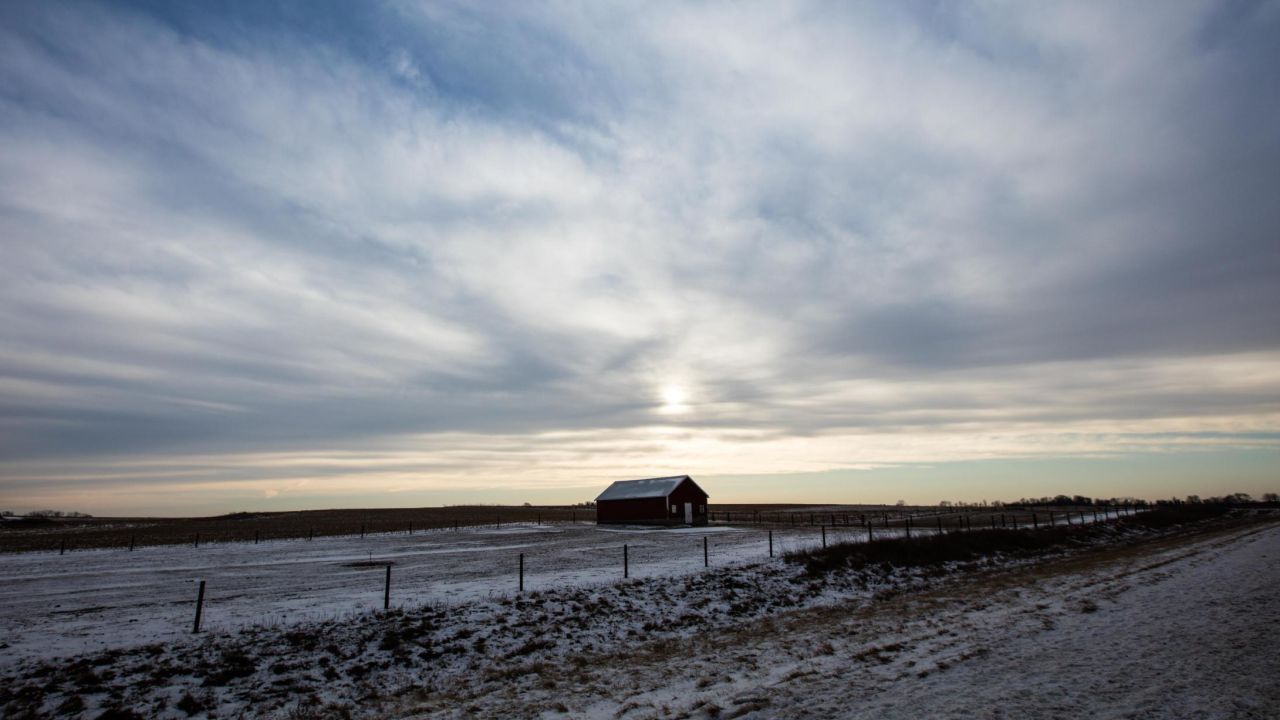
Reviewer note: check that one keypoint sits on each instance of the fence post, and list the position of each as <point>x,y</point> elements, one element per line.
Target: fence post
<point>131,539</point>
<point>539,518</point>
<point>197,539</point>
<point>770,543</point>
<point>626,569</point>
<point>706,557</point>
<point>908,527</point>
<point>255,537</point>
<point>939,524</point>
<point>824,537</point>
<point>386,592</point>
<point>573,516</point>
<point>870,535</point>
<point>521,572</point>
<point>199,607</point>
<point>310,533</point>
<point>361,531</point>
<point>410,527</point>
<point>62,549</point>
<point>1035,521</point>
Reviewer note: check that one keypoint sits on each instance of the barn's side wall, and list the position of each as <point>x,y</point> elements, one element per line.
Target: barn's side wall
<point>640,511</point>
<point>688,492</point>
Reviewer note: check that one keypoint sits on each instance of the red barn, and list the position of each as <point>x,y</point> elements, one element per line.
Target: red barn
<point>673,500</point>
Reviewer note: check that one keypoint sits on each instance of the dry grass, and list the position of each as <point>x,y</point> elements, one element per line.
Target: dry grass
<point>83,533</point>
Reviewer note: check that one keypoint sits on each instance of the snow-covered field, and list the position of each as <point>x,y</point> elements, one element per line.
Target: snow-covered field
<point>296,630</point>
<point>1180,629</point>
<point>55,605</point>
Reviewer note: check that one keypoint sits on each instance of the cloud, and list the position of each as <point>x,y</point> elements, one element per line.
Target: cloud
<point>234,234</point>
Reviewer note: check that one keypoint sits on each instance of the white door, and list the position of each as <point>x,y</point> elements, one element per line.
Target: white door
<point>688,513</point>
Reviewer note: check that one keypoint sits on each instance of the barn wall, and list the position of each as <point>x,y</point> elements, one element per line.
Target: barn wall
<point>688,492</point>
<point>637,511</point>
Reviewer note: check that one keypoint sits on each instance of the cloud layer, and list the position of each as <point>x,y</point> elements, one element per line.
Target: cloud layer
<point>454,246</point>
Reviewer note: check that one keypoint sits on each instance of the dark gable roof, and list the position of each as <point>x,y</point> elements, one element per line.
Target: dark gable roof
<point>647,488</point>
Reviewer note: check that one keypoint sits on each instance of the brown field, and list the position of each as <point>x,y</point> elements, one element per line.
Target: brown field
<point>84,533</point>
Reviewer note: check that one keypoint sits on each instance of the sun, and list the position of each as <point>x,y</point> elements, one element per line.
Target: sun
<point>674,400</point>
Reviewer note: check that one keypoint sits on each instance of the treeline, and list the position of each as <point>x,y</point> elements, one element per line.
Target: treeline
<point>1082,500</point>
<point>1056,500</point>
<point>47,514</point>
<point>1232,499</point>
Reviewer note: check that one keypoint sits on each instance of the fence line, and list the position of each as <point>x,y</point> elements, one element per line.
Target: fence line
<point>850,533</point>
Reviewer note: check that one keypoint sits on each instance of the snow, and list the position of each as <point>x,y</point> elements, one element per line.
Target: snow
<point>647,488</point>
<point>293,624</point>
<point>55,605</point>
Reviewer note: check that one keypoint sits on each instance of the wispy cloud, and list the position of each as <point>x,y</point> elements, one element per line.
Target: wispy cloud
<point>476,245</point>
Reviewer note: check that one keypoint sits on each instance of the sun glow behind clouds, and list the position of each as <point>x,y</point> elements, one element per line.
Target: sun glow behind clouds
<point>674,400</point>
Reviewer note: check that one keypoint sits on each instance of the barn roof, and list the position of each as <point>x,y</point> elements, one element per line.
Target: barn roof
<point>647,488</point>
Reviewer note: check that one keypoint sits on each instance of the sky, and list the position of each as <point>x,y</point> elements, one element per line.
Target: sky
<point>261,255</point>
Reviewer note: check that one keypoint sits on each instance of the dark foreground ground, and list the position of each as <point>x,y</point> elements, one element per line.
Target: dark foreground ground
<point>1158,615</point>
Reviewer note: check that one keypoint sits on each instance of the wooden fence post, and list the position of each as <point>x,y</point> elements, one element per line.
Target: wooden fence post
<point>197,539</point>
<point>62,549</point>
<point>1035,521</point>
<point>386,592</point>
<point>521,572</point>
<point>824,537</point>
<point>706,557</point>
<point>361,531</point>
<point>626,563</point>
<point>770,543</point>
<point>199,607</point>
<point>908,527</point>
<point>311,532</point>
<point>131,540</point>
<point>255,537</point>
<point>870,532</point>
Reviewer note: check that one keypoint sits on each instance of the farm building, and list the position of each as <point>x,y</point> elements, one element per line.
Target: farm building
<point>673,500</point>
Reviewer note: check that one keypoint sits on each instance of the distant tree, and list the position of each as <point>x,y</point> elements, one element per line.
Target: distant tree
<point>1193,499</point>
<point>901,503</point>
<point>1271,497</point>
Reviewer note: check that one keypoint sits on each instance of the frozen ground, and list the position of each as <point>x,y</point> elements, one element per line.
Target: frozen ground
<point>1187,628</point>
<point>1108,633</point>
<point>61,605</point>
